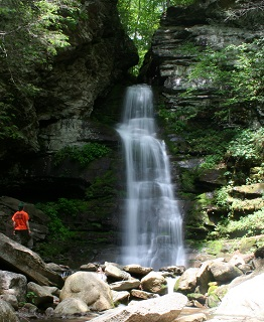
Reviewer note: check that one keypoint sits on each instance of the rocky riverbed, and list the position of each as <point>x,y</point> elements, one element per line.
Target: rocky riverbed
<point>219,289</point>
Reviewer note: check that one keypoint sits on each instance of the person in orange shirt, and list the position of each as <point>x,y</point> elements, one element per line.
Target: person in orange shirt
<point>21,226</point>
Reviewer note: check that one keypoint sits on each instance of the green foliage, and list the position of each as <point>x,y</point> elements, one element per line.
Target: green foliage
<point>222,196</point>
<point>188,180</point>
<point>235,72</point>
<point>256,175</point>
<point>140,19</point>
<point>33,32</point>
<point>181,2</point>
<point>56,211</point>
<point>83,155</point>
<point>250,225</point>
<point>7,127</point>
<point>247,146</point>
<point>103,187</point>
<point>211,161</point>
<point>31,297</point>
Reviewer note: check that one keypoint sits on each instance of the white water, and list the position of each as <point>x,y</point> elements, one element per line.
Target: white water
<point>153,223</point>
<point>170,284</point>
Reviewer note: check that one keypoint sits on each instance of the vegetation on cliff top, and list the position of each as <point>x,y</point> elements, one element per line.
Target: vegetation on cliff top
<point>31,34</point>
<point>140,19</point>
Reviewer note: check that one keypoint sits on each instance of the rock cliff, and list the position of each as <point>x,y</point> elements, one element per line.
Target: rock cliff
<point>79,103</point>
<point>60,114</point>
<point>191,107</point>
<point>69,109</point>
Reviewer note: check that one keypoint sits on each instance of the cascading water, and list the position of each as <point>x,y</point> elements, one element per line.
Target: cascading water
<point>153,223</point>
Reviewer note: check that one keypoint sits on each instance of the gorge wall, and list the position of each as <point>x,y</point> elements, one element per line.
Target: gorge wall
<point>61,114</point>
<point>190,110</point>
<point>80,103</point>
<point>69,109</point>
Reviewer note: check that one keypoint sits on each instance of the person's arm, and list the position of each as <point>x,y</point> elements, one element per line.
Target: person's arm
<point>14,226</point>
<point>27,223</point>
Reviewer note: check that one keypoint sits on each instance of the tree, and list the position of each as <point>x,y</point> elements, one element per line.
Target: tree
<point>140,19</point>
<point>31,33</point>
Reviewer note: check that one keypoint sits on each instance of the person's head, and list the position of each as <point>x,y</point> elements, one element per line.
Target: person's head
<point>21,206</point>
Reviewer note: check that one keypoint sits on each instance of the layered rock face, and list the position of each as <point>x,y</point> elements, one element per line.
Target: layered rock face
<point>67,111</point>
<point>98,57</point>
<point>186,34</point>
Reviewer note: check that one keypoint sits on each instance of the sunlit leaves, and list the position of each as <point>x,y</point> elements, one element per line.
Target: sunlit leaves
<point>141,18</point>
<point>31,34</point>
<point>32,31</point>
<point>248,145</point>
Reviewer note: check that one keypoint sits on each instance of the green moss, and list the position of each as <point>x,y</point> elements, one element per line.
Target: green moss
<point>215,247</point>
<point>83,155</point>
<point>188,178</point>
<point>213,301</point>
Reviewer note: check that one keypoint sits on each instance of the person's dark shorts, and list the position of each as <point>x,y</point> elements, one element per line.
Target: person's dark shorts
<point>22,237</point>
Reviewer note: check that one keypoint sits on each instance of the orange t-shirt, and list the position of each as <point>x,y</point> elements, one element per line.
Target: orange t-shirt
<point>20,218</point>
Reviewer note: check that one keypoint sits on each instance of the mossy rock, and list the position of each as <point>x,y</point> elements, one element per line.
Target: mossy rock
<point>248,191</point>
<point>213,301</point>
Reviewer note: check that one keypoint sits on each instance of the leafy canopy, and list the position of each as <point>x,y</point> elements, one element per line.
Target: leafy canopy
<point>33,31</point>
<point>31,34</point>
<point>140,19</point>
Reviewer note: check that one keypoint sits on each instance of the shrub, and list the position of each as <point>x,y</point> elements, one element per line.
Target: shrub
<point>83,155</point>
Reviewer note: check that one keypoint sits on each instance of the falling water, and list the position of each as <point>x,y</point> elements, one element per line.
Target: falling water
<point>153,223</point>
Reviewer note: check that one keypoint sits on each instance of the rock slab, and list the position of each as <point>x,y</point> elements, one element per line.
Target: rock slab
<point>27,262</point>
<point>163,309</point>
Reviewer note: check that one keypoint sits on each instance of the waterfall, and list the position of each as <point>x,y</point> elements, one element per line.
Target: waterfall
<point>171,283</point>
<point>152,220</point>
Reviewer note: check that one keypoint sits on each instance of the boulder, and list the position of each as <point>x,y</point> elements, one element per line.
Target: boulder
<point>25,261</point>
<point>11,299</point>
<point>143,295</point>
<point>205,276</point>
<point>7,313</point>
<point>197,317</point>
<point>90,267</point>
<point>175,270</point>
<point>125,285</point>
<point>116,272</point>
<point>224,272</point>
<point>245,299</point>
<point>42,296</point>
<point>154,282</point>
<point>187,281</point>
<point>162,309</point>
<point>13,284</point>
<point>119,297</point>
<point>89,288</point>
<point>71,306</point>
<point>137,269</point>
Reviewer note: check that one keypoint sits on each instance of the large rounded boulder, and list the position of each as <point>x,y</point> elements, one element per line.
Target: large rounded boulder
<point>88,287</point>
